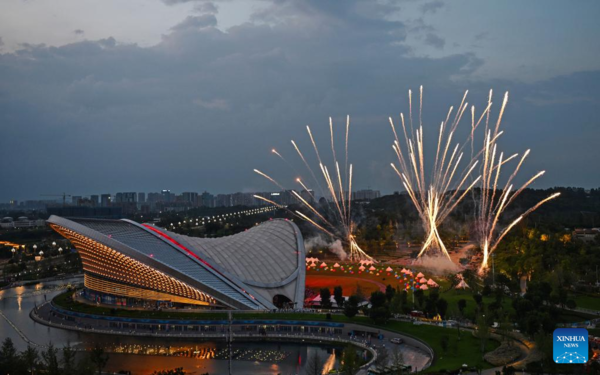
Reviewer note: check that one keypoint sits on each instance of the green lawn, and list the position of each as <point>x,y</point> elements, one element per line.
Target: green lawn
<point>568,316</point>
<point>588,301</point>
<point>466,350</point>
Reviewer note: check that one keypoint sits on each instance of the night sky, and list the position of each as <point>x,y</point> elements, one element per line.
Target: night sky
<point>143,95</point>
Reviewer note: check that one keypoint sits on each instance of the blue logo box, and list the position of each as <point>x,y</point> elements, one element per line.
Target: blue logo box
<point>571,345</point>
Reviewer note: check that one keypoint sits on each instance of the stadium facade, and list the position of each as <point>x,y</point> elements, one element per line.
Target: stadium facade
<point>261,268</point>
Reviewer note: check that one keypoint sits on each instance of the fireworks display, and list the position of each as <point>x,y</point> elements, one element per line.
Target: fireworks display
<point>492,201</point>
<point>450,181</point>
<point>436,197</point>
<point>435,189</point>
<point>335,184</point>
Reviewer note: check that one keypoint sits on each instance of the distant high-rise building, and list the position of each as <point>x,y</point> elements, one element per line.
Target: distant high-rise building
<point>105,200</point>
<point>190,197</point>
<point>75,200</point>
<point>308,195</point>
<point>128,197</point>
<point>207,199</point>
<point>286,198</point>
<point>154,198</point>
<point>167,196</point>
<point>141,198</point>
<point>365,195</point>
<point>223,200</point>
<point>95,199</point>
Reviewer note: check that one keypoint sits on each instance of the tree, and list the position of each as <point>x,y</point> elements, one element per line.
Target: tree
<point>379,312</point>
<point>50,358</point>
<point>85,366</point>
<point>350,364</point>
<point>396,304</point>
<point>462,304</point>
<point>478,298</point>
<point>351,306</point>
<point>68,360</point>
<point>314,365</point>
<point>483,333</point>
<point>29,358</point>
<point>338,297</point>
<point>8,357</point>
<point>442,307</point>
<point>397,358</point>
<point>420,296</point>
<point>389,292</point>
<point>382,357</point>
<point>325,298</point>
<point>99,358</point>
<point>378,299</point>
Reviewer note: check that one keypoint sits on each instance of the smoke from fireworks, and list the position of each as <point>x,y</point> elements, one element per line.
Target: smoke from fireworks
<point>339,225</point>
<point>436,197</point>
<point>493,202</point>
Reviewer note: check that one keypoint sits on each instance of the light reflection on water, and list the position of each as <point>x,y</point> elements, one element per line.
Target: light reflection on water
<point>144,355</point>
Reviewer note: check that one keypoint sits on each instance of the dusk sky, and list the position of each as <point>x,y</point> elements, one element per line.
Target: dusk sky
<point>143,95</point>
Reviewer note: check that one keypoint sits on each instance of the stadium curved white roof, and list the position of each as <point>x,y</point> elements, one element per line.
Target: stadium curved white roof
<point>243,271</point>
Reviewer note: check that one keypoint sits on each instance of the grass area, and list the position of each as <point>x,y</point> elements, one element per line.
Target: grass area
<point>454,295</point>
<point>568,316</point>
<point>459,351</point>
<point>588,301</point>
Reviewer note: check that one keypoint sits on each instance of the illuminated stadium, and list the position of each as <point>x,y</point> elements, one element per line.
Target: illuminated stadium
<point>127,263</point>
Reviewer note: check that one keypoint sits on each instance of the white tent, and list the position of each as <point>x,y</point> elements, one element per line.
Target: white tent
<point>323,265</point>
<point>420,275</point>
<point>424,287</point>
<point>423,280</point>
<point>337,265</point>
<point>430,282</point>
<point>389,269</point>
<point>362,268</point>
<point>372,268</point>
<point>462,285</point>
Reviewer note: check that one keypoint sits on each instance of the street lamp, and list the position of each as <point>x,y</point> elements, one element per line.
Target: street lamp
<point>53,244</point>
<point>60,249</point>
<point>34,248</point>
<point>13,250</point>
<point>41,253</point>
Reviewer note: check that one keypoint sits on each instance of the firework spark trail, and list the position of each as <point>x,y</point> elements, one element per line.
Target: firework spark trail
<point>493,203</point>
<point>433,199</point>
<point>340,191</point>
<point>266,200</point>
<point>269,178</point>
<point>275,152</point>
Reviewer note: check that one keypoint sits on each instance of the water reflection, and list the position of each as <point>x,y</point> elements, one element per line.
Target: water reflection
<point>203,352</point>
<point>143,355</point>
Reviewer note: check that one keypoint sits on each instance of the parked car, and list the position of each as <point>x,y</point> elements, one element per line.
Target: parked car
<point>396,340</point>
